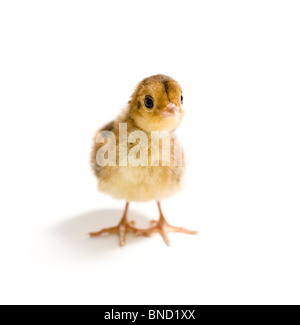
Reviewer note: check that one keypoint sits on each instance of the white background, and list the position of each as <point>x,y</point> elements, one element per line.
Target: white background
<point>67,68</point>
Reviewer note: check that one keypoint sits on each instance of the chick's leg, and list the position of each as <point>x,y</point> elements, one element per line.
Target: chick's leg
<point>121,229</point>
<point>161,226</point>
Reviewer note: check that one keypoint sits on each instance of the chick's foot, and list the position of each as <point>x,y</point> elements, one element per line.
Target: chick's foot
<point>121,229</point>
<point>162,227</point>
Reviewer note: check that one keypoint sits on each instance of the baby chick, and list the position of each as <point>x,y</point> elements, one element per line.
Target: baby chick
<point>155,105</point>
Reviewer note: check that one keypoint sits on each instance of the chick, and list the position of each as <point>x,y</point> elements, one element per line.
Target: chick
<point>155,105</point>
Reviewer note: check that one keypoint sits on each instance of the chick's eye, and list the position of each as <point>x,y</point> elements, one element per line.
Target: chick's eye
<point>181,99</point>
<point>149,102</point>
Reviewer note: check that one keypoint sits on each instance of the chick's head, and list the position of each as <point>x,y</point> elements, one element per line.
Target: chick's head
<point>157,104</point>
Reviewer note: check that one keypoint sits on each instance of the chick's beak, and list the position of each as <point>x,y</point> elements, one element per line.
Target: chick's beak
<point>171,110</point>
